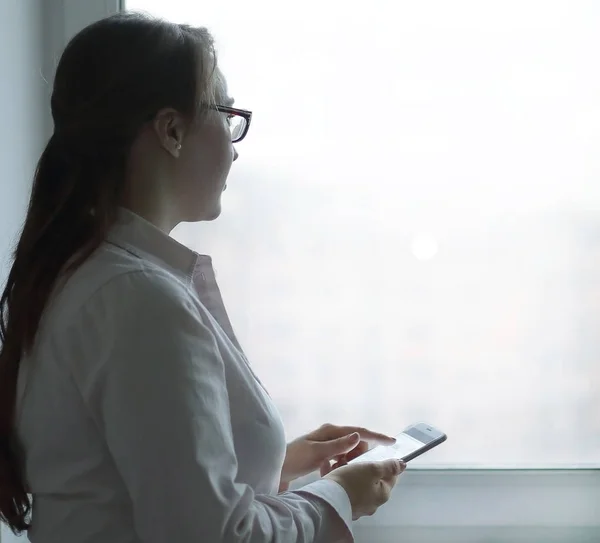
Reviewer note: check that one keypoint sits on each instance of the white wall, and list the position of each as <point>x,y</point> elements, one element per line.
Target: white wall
<point>24,114</point>
<point>24,122</point>
<point>33,34</point>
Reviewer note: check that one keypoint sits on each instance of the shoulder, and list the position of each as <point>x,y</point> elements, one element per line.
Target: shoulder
<point>142,293</point>
<point>138,314</point>
<point>113,283</point>
<point>112,268</point>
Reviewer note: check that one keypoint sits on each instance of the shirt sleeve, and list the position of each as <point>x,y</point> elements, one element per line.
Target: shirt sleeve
<point>156,389</point>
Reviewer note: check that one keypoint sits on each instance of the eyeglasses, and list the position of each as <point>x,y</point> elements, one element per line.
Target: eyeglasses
<point>238,120</point>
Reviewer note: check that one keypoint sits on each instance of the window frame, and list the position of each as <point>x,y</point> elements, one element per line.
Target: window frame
<point>443,504</point>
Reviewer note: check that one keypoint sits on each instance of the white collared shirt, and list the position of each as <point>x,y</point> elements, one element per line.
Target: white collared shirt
<point>141,420</point>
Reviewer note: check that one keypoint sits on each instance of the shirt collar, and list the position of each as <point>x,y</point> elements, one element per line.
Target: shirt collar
<point>140,237</point>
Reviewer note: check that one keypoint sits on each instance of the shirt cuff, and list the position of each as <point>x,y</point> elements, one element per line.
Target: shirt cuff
<point>334,495</point>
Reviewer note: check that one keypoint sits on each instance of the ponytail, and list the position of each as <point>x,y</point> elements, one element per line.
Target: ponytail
<point>112,78</point>
<point>15,335</point>
<point>61,230</point>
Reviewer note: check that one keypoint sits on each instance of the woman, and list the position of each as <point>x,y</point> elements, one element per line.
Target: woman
<point>128,409</point>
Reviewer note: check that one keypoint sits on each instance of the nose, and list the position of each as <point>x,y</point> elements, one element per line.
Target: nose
<point>235,154</point>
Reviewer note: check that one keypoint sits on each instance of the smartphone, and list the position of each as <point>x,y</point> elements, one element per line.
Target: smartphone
<point>410,443</point>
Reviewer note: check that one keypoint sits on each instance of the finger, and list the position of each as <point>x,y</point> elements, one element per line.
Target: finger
<point>390,468</point>
<point>361,448</point>
<point>374,438</point>
<point>336,447</point>
<point>325,468</point>
<point>339,464</point>
<point>331,431</point>
<point>340,459</point>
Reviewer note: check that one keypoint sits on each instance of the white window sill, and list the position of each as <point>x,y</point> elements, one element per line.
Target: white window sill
<point>523,534</point>
<point>482,501</point>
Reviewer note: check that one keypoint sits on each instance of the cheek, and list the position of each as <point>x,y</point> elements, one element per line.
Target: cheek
<point>218,150</point>
<point>209,166</point>
<point>205,162</point>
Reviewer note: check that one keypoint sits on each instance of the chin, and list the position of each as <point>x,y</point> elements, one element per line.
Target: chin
<point>205,215</point>
<point>214,213</point>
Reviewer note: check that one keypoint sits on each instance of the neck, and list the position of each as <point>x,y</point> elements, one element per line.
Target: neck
<point>150,198</point>
<point>158,217</point>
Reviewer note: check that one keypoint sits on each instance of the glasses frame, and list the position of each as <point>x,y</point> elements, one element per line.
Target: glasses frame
<point>247,115</point>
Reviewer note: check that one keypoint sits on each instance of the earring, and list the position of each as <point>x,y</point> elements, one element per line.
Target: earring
<point>178,146</point>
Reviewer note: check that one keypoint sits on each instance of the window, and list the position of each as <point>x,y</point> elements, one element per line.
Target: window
<point>412,232</point>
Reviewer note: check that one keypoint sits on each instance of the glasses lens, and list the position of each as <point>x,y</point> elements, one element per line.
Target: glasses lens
<point>237,125</point>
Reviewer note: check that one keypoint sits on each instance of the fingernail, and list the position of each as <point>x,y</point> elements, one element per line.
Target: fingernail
<point>354,436</point>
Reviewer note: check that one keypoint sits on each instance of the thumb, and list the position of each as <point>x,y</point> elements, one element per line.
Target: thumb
<point>392,467</point>
<point>341,445</point>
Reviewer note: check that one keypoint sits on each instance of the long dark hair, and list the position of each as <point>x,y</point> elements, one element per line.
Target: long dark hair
<point>113,77</point>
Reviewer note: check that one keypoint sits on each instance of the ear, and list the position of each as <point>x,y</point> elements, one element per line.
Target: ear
<point>169,127</point>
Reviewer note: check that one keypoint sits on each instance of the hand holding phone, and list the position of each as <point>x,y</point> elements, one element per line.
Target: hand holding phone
<point>367,488</point>
<point>410,443</point>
